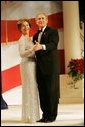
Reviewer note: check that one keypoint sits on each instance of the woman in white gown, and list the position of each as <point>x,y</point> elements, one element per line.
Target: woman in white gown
<point>30,100</point>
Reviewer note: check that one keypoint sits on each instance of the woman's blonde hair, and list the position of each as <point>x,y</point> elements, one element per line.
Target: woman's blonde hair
<point>20,22</point>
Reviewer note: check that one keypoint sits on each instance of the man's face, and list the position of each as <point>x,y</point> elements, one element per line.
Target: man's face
<point>41,20</point>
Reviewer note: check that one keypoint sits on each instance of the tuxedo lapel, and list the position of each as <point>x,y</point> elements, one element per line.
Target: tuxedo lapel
<point>44,34</point>
<point>36,37</point>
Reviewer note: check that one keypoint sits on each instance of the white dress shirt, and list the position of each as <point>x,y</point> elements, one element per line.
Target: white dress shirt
<point>39,38</point>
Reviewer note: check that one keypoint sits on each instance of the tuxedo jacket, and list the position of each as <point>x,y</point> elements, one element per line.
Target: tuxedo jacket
<point>47,60</point>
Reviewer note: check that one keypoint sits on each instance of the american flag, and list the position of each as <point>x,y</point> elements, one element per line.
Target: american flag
<point>11,11</point>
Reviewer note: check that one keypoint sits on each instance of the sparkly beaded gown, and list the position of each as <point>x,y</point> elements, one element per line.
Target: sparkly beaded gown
<point>30,98</point>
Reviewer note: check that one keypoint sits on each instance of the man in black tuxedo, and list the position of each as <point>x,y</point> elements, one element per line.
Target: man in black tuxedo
<point>47,68</point>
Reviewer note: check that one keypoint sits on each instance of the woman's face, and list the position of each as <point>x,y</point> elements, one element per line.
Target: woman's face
<point>25,28</point>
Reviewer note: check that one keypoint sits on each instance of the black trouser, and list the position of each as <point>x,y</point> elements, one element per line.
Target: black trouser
<point>49,94</point>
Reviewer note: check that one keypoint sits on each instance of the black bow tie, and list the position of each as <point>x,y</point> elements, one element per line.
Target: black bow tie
<point>39,31</point>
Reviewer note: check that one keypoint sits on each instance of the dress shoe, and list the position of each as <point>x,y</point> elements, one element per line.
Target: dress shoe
<point>41,120</point>
<point>48,120</point>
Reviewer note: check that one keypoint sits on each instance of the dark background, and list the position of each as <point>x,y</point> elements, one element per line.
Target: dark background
<point>81,10</point>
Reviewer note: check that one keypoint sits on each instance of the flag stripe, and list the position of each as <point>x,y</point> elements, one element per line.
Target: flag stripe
<point>55,20</point>
<point>28,9</point>
<point>10,56</point>
<point>11,78</point>
<point>13,96</point>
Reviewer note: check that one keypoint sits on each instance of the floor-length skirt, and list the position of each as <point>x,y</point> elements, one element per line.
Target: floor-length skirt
<point>30,98</point>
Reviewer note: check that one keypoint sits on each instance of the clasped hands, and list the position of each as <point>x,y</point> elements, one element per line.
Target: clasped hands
<point>37,46</point>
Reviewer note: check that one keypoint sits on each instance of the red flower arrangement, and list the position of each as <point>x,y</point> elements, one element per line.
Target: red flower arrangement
<point>76,69</point>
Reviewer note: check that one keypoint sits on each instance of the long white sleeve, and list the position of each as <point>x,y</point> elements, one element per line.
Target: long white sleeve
<point>24,50</point>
